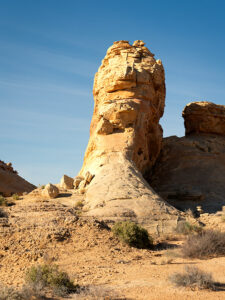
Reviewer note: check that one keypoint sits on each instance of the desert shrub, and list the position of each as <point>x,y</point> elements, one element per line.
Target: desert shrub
<point>15,197</point>
<point>79,204</point>
<point>49,276</point>
<point>3,201</point>
<point>187,228</point>
<point>132,234</point>
<point>193,278</point>
<point>206,244</point>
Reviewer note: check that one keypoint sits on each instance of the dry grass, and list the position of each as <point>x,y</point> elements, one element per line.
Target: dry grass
<point>206,244</point>
<point>193,278</point>
<point>186,228</point>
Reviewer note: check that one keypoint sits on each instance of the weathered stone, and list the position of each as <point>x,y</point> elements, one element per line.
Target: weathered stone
<point>11,183</point>
<point>191,171</point>
<point>77,181</point>
<point>204,117</point>
<point>50,191</point>
<point>88,177</point>
<point>129,93</point>
<point>66,182</point>
<point>125,139</point>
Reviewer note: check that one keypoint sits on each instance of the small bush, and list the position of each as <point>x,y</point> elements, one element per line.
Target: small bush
<point>187,228</point>
<point>49,276</point>
<point>132,234</point>
<point>205,244</point>
<point>193,278</point>
<point>79,204</point>
<point>3,201</point>
<point>15,197</point>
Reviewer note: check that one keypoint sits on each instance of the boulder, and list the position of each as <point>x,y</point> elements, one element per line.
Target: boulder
<point>50,191</point>
<point>77,180</point>
<point>66,182</point>
<point>204,117</point>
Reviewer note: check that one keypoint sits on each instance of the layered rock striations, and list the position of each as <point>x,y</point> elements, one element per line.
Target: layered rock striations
<point>190,170</point>
<point>125,139</point>
<point>11,183</point>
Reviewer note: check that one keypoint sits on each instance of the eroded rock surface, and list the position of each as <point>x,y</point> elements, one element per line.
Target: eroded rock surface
<point>129,94</point>
<point>11,183</point>
<point>190,171</point>
<point>204,117</point>
<point>125,139</point>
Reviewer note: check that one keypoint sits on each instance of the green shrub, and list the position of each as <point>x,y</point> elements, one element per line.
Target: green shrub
<point>132,234</point>
<point>79,204</point>
<point>49,276</point>
<point>206,244</point>
<point>3,201</point>
<point>15,197</point>
<point>193,278</point>
<point>186,228</point>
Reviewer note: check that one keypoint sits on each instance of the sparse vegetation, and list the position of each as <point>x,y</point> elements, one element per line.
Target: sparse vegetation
<point>193,278</point>
<point>206,244</point>
<point>10,293</point>
<point>49,276</point>
<point>188,228</point>
<point>15,197</point>
<point>3,201</point>
<point>132,234</point>
<point>79,204</point>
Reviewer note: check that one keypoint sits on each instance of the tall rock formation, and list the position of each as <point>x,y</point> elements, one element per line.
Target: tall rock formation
<point>11,183</point>
<point>125,138</point>
<point>129,94</point>
<point>190,171</point>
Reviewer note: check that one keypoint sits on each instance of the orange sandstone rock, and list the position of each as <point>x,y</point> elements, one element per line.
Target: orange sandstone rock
<point>129,94</point>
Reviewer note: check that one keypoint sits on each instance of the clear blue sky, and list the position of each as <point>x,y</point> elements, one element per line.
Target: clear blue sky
<point>51,49</point>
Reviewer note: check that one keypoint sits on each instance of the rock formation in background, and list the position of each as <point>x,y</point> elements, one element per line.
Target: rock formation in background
<point>204,117</point>
<point>190,171</point>
<point>125,139</point>
<point>11,183</point>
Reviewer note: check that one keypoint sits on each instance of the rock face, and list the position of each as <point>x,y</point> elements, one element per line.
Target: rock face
<point>125,139</point>
<point>204,117</point>
<point>190,171</point>
<point>11,183</point>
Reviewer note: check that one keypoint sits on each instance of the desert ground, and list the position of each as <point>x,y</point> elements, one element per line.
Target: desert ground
<point>54,231</point>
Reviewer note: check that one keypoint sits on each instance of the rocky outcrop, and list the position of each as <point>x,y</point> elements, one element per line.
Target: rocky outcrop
<point>190,171</point>
<point>204,117</point>
<point>125,139</point>
<point>11,183</point>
